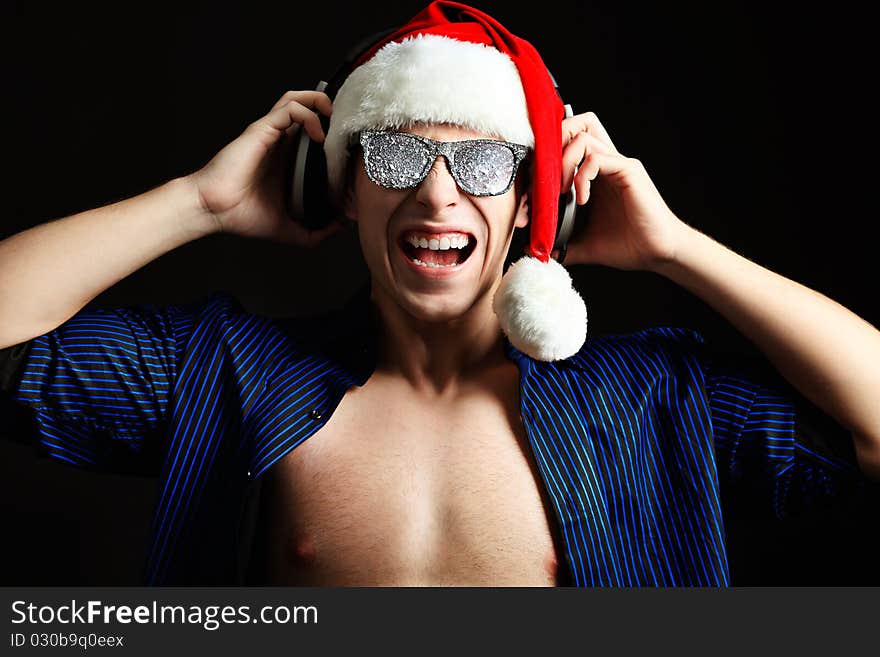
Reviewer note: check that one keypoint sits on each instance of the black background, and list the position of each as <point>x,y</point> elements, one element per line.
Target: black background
<point>753,119</point>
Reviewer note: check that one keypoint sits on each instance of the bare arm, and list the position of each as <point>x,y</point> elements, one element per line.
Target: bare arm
<point>49,272</point>
<point>825,351</point>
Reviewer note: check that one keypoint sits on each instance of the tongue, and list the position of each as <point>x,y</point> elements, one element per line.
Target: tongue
<point>447,257</point>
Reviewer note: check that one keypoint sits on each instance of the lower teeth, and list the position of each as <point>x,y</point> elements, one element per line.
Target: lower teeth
<point>431,264</point>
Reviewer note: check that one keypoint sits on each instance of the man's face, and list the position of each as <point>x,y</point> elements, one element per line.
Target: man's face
<point>388,218</point>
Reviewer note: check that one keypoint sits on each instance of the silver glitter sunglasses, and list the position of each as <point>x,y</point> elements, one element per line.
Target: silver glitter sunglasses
<point>480,167</point>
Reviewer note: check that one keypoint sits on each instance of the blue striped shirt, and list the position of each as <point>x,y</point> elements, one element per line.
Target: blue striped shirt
<point>633,436</point>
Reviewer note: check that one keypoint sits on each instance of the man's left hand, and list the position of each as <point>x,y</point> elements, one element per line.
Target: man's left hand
<point>630,225</point>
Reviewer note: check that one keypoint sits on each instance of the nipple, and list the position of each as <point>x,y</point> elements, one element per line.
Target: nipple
<point>303,551</point>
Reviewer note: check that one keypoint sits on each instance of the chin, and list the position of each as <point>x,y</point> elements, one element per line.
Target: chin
<point>435,308</point>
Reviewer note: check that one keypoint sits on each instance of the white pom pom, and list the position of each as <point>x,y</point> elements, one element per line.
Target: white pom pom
<point>540,311</point>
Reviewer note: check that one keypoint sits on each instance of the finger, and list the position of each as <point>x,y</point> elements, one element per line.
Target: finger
<point>601,132</point>
<point>575,152</point>
<point>308,119</point>
<point>292,113</point>
<point>594,165</point>
<point>311,99</point>
<point>573,125</point>
<point>590,168</point>
<point>604,164</point>
<point>582,189</point>
<point>586,122</point>
<point>571,157</point>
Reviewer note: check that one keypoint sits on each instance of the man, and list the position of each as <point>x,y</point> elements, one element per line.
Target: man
<point>426,434</point>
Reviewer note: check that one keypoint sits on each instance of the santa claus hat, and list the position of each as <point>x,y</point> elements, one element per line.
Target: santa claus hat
<point>455,64</point>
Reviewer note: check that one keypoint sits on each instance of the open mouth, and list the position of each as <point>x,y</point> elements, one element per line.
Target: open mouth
<point>438,254</point>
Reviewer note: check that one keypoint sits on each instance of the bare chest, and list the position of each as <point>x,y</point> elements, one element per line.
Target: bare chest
<point>389,492</point>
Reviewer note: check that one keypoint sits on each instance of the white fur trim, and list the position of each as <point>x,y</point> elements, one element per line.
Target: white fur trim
<point>432,79</point>
<point>540,311</point>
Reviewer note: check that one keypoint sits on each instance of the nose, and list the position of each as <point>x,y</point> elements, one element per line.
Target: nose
<point>438,190</point>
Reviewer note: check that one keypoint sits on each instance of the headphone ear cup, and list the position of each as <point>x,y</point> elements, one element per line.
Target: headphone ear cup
<point>306,182</point>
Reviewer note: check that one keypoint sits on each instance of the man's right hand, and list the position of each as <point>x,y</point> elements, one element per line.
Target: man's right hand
<point>241,187</point>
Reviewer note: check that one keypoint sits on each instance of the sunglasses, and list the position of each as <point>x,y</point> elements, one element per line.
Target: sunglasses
<point>480,167</point>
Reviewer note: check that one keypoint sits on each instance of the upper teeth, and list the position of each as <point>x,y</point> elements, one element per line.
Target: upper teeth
<point>442,244</point>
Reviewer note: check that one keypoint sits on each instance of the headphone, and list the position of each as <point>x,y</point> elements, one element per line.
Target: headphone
<point>306,194</point>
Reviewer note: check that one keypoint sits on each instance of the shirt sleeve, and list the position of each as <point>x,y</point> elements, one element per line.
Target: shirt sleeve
<point>770,437</point>
<point>95,391</point>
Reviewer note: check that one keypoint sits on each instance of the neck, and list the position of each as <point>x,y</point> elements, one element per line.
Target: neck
<point>438,358</point>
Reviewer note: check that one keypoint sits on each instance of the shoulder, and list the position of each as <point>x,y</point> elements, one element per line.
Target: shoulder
<point>670,349</point>
<point>648,341</point>
<point>222,318</point>
<point>224,307</point>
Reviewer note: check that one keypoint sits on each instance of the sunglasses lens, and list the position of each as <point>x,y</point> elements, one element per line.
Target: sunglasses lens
<point>484,169</point>
<point>395,160</point>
